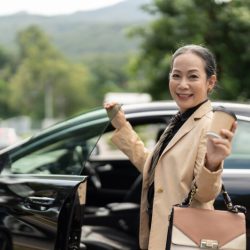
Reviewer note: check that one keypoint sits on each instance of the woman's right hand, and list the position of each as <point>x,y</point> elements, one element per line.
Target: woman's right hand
<point>118,120</point>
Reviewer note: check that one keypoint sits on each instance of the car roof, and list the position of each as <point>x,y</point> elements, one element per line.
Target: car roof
<point>99,113</point>
<point>239,108</point>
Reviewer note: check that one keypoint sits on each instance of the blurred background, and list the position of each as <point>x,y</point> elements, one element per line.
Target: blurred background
<point>65,58</point>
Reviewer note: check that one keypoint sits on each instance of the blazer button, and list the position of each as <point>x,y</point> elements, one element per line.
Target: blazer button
<point>159,190</point>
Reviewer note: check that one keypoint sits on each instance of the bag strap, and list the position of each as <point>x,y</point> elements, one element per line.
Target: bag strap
<point>227,200</point>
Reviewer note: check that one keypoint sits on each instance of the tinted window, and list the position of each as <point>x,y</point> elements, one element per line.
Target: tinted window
<point>240,157</point>
<point>149,134</point>
<point>62,157</point>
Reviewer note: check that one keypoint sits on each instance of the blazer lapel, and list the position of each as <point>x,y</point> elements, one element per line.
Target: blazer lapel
<point>188,125</point>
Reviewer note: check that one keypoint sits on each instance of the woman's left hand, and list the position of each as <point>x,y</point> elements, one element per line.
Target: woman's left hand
<point>219,148</point>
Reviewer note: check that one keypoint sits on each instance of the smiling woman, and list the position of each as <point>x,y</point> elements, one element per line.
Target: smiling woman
<point>55,7</point>
<point>169,171</point>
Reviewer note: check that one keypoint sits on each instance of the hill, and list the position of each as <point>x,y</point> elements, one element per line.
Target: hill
<point>81,33</point>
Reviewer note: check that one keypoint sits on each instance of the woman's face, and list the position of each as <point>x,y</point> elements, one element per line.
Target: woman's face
<point>188,82</point>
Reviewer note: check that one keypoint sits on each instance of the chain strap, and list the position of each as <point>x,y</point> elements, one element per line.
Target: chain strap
<point>227,200</point>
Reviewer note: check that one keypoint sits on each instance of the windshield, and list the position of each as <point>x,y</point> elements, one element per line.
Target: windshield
<point>61,149</point>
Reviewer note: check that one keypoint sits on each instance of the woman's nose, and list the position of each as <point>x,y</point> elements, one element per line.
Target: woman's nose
<point>183,83</point>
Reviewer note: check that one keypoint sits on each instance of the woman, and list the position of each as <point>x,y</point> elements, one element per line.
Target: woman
<point>186,152</point>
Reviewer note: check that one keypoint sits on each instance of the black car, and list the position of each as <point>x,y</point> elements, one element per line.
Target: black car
<point>68,187</point>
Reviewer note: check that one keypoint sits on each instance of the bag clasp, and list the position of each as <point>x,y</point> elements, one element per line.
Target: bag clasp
<point>209,244</point>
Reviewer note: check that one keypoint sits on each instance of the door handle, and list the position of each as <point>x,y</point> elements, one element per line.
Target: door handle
<point>40,201</point>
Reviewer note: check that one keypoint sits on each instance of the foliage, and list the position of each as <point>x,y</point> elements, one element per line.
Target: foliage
<point>108,74</point>
<point>6,70</point>
<point>222,26</point>
<point>41,82</point>
<point>45,84</point>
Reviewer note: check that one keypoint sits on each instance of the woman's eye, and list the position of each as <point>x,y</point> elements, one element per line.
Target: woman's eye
<point>193,76</point>
<point>175,76</point>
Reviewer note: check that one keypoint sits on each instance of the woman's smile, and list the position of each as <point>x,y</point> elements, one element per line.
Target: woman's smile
<point>184,96</point>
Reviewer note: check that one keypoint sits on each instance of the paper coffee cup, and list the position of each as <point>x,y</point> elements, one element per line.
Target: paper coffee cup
<point>222,119</point>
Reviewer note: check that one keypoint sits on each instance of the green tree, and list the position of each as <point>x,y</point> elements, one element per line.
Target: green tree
<point>45,84</point>
<point>6,70</point>
<point>223,26</point>
<point>108,74</point>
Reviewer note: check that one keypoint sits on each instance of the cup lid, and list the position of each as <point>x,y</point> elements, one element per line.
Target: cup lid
<point>223,109</point>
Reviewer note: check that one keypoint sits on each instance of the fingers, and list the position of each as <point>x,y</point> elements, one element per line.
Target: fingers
<point>234,127</point>
<point>226,134</point>
<point>109,105</point>
<point>222,144</point>
<point>115,114</point>
<point>226,138</point>
<point>218,148</point>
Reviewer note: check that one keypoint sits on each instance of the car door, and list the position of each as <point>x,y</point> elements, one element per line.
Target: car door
<point>33,208</point>
<point>42,191</point>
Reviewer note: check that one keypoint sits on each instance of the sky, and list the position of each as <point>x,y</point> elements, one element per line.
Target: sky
<point>52,7</point>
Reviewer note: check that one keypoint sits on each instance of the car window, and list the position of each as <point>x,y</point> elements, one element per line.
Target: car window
<point>60,152</point>
<point>149,134</point>
<point>62,157</point>
<point>240,156</point>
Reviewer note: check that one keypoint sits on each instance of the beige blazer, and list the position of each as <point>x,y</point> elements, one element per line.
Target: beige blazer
<point>181,162</point>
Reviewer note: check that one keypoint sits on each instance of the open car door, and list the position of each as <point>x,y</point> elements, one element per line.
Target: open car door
<point>42,192</point>
<point>41,213</point>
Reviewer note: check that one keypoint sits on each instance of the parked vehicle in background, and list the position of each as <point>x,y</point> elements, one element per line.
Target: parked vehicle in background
<point>68,187</point>
<point>8,136</point>
<point>127,98</point>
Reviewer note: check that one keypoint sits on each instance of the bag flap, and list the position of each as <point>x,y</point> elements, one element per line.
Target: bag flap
<point>210,226</point>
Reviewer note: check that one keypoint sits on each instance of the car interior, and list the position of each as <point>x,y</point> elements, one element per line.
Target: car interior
<point>116,224</point>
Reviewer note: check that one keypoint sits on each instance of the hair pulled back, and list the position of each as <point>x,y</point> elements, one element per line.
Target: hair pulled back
<point>203,53</point>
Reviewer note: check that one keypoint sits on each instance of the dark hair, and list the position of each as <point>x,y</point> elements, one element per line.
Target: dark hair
<point>202,52</point>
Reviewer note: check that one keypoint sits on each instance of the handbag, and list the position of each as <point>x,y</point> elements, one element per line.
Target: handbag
<point>196,228</point>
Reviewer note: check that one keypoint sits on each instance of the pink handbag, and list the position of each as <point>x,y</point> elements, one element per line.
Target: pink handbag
<point>195,228</point>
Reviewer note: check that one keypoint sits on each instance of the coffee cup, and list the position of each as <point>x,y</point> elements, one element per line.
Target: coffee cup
<point>222,119</point>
